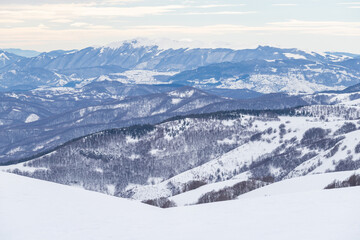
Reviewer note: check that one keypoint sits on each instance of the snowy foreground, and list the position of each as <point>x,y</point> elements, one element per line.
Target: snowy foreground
<point>33,209</point>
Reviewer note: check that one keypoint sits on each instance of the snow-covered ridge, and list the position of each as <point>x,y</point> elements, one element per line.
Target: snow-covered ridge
<point>160,43</point>
<point>44,210</point>
<point>76,67</point>
<point>308,183</point>
<point>3,56</point>
<point>32,118</point>
<point>233,148</point>
<point>230,165</point>
<point>294,56</point>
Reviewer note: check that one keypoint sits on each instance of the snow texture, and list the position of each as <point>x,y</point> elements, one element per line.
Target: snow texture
<point>40,210</point>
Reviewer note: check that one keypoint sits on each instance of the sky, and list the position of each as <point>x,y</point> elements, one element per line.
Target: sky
<point>317,25</point>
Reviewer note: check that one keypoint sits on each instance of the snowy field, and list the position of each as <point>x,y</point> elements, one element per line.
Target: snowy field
<point>37,210</point>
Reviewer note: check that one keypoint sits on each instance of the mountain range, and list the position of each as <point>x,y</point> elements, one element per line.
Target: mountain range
<point>147,162</point>
<point>264,69</point>
<point>174,126</point>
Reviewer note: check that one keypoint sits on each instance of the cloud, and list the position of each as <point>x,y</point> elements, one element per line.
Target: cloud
<point>285,4</point>
<point>80,24</point>
<point>44,34</point>
<point>218,5</point>
<point>336,28</point>
<point>351,4</point>
<point>74,11</point>
<point>85,23</point>
<point>61,20</point>
<point>291,33</point>
<point>220,13</point>
<point>69,12</point>
<point>11,20</point>
<point>89,26</point>
<point>120,1</point>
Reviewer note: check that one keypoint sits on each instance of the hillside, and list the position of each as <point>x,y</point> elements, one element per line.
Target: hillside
<point>167,159</point>
<point>44,210</point>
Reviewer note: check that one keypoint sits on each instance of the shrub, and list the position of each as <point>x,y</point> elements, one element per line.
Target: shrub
<point>347,164</point>
<point>333,151</point>
<point>256,137</point>
<point>312,135</point>
<point>160,202</point>
<point>357,148</point>
<point>191,185</point>
<point>352,181</point>
<point>346,128</point>
<point>282,130</point>
<point>229,193</point>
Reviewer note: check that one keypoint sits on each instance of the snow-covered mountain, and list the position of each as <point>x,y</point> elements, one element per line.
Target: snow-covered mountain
<point>37,122</point>
<point>294,209</point>
<point>21,52</point>
<point>267,76</point>
<point>53,116</point>
<point>160,161</point>
<point>264,69</point>
<point>172,125</point>
<point>7,58</point>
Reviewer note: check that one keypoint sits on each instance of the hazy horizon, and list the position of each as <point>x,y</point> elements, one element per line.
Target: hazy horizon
<point>44,25</point>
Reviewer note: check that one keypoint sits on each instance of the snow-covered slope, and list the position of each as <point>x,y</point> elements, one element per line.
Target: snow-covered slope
<point>34,123</point>
<point>36,210</point>
<point>308,183</point>
<point>292,75</point>
<point>7,58</point>
<point>178,155</point>
<point>279,150</point>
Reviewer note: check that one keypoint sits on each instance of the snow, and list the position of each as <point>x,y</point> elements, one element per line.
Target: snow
<point>23,168</point>
<point>130,139</point>
<point>294,185</point>
<point>134,156</point>
<point>137,77</point>
<point>4,57</point>
<point>32,118</point>
<point>14,150</point>
<point>176,100</point>
<point>160,111</point>
<point>228,123</point>
<point>154,180</point>
<point>160,43</point>
<point>40,210</point>
<point>111,189</point>
<point>181,94</point>
<point>291,82</point>
<point>328,163</point>
<point>308,183</point>
<point>155,152</point>
<point>294,56</point>
<point>192,197</point>
<point>13,95</point>
<point>226,141</point>
<point>249,152</point>
<point>38,147</point>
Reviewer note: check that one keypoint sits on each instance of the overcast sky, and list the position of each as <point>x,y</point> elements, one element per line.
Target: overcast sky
<point>318,25</point>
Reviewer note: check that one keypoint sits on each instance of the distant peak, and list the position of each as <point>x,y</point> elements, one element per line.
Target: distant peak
<point>162,43</point>
<point>260,47</point>
<point>3,56</point>
<point>165,44</point>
